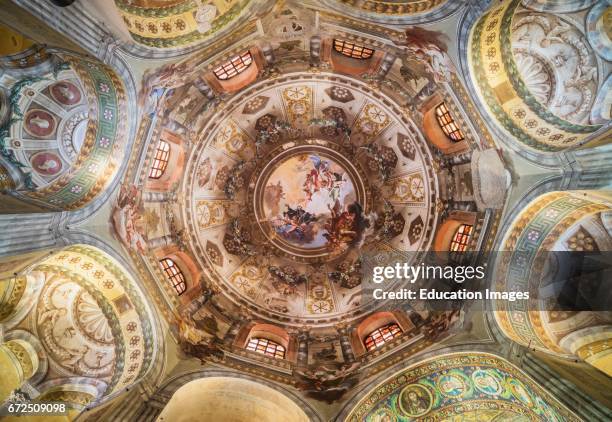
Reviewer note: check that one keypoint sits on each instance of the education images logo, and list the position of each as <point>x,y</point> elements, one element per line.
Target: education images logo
<point>438,274</point>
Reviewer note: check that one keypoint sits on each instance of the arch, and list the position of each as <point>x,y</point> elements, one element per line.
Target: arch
<point>459,385</point>
<point>516,83</point>
<point>556,221</point>
<point>172,385</point>
<point>108,340</point>
<point>64,132</point>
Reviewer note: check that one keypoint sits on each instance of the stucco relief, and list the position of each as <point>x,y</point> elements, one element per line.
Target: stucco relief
<point>557,64</point>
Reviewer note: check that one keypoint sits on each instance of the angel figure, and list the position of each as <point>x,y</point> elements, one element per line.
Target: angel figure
<point>430,48</point>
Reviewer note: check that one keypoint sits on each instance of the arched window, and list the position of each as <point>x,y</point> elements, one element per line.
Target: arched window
<point>234,66</point>
<point>447,123</point>
<point>461,238</point>
<point>352,50</point>
<point>160,161</point>
<point>174,274</point>
<point>266,347</point>
<point>381,335</point>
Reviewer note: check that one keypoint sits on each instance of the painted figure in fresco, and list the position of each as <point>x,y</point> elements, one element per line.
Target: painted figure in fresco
<point>296,224</point>
<point>430,48</point>
<point>346,227</point>
<point>205,173</point>
<point>321,177</point>
<point>127,219</point>
<point>272,197</point>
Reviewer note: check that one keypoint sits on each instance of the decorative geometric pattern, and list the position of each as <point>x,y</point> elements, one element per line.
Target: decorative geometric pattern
<point>406,147</point>
<point>340,94</point>
<point>256,104</point>
<point>415,230</point>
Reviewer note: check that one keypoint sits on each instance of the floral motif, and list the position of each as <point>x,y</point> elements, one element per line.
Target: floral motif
<point>104,142</point>
<point>533,235</point>
<point>535,76</point>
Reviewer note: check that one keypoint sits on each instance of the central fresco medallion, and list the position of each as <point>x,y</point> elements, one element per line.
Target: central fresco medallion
<point>296,185</point>
<point>310,201</point>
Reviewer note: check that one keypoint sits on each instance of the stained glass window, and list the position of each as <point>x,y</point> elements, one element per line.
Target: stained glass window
<point>174,274</point>
<point>382,335</point>
<point>160,161</point>
<point>235,66</point>
<point>266,347</point>
<point>447,123</point>
<point>461,238</point>
<point>352,50</point>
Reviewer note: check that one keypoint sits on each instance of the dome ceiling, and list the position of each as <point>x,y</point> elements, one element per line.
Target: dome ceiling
<point>176,23</point>
<point>282,203</point>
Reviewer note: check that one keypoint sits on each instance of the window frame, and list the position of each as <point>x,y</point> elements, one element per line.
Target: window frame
<point>448,123</point>
<point>234,66</point>
<point>381,335</point>
<point>461,240</point>
<point>352,50</point>
<point>278,351</point>
<point>176,278</point>
<point>160,160</point>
